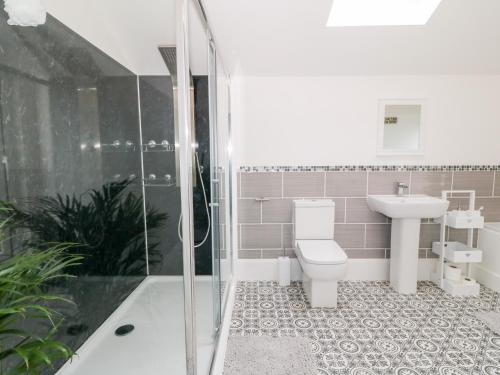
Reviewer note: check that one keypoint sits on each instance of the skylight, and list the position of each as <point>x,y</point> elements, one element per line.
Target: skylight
<point>381,12</point>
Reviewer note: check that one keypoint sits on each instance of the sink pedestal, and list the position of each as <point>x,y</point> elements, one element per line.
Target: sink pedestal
<point>405,235</point>
<point>406,212</point>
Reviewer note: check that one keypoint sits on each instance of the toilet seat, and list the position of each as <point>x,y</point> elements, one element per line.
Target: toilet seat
<point>321,252</point>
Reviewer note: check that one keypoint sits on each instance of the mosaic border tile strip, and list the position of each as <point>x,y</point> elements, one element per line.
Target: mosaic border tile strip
<point>370,168</point>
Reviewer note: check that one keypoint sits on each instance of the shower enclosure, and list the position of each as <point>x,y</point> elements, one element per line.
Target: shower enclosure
<point>131,162</point>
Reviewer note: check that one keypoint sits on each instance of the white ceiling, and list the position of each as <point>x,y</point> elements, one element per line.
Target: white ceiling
<point>130,31</point>
<point>289,37</point>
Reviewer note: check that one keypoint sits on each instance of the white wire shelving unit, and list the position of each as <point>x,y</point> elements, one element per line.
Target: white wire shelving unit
<point>457,255</point>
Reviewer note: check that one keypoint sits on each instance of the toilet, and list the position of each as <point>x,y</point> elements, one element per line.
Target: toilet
<point>322,260</point>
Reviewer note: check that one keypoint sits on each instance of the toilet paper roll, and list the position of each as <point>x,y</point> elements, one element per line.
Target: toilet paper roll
<point>468,281</point>
<point>452,273</point>
<point>284,271</point>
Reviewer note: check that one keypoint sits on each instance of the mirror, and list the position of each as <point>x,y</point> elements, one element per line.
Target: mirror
<point>400,125</point>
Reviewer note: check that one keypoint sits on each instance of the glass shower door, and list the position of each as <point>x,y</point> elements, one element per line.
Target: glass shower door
<point>216,187</point>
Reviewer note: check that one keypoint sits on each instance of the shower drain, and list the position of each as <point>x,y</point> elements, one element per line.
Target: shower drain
<point>124,330</point>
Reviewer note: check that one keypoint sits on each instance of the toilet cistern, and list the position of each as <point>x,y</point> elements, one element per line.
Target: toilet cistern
<point>322,260</point>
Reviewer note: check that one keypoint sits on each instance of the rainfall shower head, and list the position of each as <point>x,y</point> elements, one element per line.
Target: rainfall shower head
<point>169,55</point>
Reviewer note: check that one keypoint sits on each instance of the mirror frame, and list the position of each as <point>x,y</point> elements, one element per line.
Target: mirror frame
<point>381,151</point>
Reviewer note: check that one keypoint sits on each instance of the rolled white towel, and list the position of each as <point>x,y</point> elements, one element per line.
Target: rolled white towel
<point>25,12</point>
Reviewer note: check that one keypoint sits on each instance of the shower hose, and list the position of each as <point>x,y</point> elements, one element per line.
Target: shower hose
<point>206,207</point>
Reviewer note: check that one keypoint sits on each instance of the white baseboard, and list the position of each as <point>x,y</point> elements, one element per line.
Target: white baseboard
<point>357,269</point>
<point>486,277</point>
<point>264,269</point>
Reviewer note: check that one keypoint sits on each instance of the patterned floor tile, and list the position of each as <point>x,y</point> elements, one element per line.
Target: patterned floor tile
<point>375,330</point>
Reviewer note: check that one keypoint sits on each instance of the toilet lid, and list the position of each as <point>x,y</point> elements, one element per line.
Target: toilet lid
<point>321,252</point>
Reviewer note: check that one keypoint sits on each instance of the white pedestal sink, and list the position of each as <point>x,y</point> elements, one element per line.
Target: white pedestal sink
<point>406,213</point>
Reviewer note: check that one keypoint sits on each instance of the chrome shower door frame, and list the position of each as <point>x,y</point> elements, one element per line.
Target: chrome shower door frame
<point>186,181</point>
<point>186,152</point>
<point>215,181</point>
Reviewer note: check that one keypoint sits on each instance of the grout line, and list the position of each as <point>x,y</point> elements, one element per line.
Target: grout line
<point>409,183</point>
<point>364,240</point>
<point>494,181</point>
<point>261,214</point>
<point>282,242</point>
<point>239,237</point>
<point>282,185</point>
<point>238,193</point>
<point>367,183</point>
<point>345,210</point>
<point>324,184</point>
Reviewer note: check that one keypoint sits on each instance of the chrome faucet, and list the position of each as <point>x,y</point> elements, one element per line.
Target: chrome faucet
<point>402,189</point>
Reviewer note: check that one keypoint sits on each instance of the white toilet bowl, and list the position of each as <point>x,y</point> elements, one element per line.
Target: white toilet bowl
<point>322,260</point>
<point>323,263</point>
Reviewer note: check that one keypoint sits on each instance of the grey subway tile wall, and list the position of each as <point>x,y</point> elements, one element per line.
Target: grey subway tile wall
<point>346,184</point>
<point>366,253</point>
<point>287,234</point>
<point>266,227</point>
<point>350,236</point>
<point>491,206</point>
<point>496,184</point>
<point>277,211</point>
<point>386,182</point>
<point>430,183</point>
<point>261,236</point>
<point>304,184</point>
<point>378,236</point>
<point>256,185</point>
<point>359,212</point>
<point>340,209</point>
<point>428,233</point>
<point>480,181</point>
<point>249,211</point>
<point>250,254</point>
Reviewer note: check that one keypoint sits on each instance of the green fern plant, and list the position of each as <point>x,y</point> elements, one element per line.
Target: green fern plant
<point>107,225</point>
<point>23,299</point>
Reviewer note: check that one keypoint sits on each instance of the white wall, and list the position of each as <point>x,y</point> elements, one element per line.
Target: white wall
<point>333,120</point>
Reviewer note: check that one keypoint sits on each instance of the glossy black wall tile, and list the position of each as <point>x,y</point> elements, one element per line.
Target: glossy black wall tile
<point>157,122</point>
<point>63,106</point>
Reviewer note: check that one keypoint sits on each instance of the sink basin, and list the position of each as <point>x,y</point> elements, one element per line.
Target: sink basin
<point>409,206</point>
<point>406,213</point>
